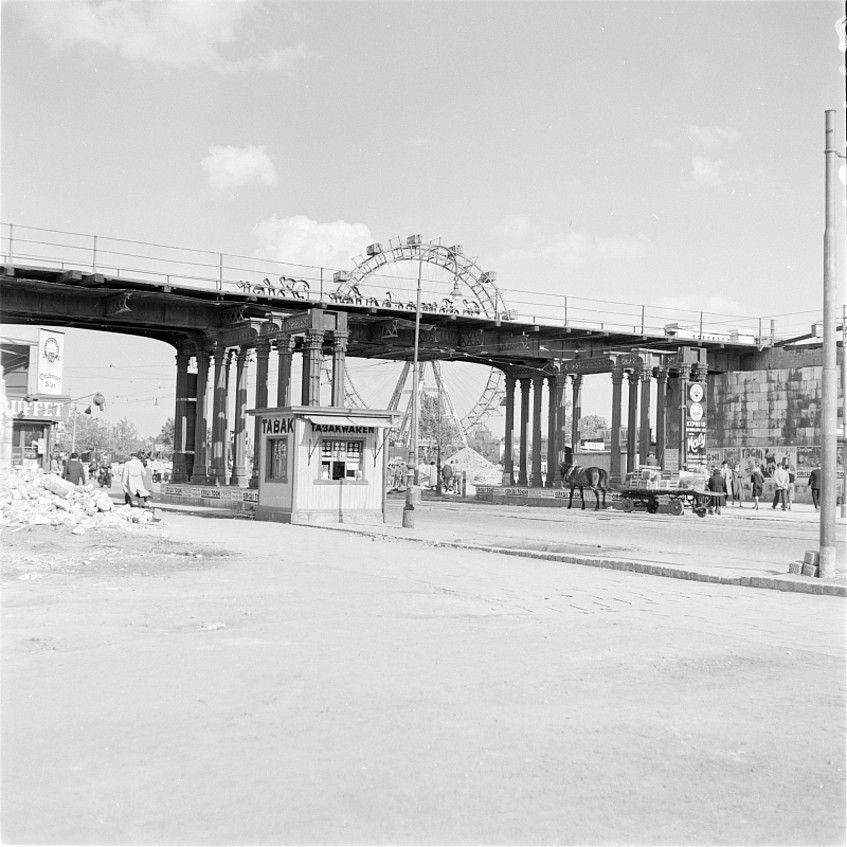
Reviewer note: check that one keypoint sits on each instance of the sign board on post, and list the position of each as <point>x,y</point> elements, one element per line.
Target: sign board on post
<point>51,360</point>
<point>695,426</point>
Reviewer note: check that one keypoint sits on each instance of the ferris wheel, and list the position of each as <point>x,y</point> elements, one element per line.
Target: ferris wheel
<point>454,283</point>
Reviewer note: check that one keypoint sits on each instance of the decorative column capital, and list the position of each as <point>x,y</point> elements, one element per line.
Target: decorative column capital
<point>243,356</point>
<point>263,348</point>
<point>645,374</point>
<point>576,379</point>
<point>219,353</point>
<point>661,375</point>
<point>314,337</point>
<point>617,376</point>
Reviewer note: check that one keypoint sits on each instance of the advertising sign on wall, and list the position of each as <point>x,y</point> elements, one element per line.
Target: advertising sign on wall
<point>51,361</point>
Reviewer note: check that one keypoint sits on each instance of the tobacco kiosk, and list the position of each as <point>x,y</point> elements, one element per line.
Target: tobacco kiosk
<point>322,464</point>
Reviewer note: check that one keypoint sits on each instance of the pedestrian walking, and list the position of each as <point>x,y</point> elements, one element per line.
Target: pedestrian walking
<point>728,481</point>
<point>132,480</point>
<point>757,485</point>
<point>447,476</point>
<point>815,485</point>
<point>780,480</point>
<point>737,488</point>
<point>717,485</point>
<point>75,471</point>
<point>792,482</point>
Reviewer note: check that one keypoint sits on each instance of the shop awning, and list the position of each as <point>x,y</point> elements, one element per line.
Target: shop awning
<point>348,420</point>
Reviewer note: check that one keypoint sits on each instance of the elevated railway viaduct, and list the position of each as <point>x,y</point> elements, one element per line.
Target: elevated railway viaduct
<point>216,326</point>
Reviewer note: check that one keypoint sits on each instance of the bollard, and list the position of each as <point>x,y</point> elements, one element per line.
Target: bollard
<point>413,498</point>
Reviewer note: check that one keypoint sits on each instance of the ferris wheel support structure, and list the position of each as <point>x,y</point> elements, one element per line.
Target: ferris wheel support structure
<point>467,278</point>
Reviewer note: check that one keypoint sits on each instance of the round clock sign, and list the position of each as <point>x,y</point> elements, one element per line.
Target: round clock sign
<point>696,412</point>
<point>695,392</point>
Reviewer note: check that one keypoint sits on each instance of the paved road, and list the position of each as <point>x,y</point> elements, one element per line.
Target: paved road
<point>329,688</point>
<point>738,542</point>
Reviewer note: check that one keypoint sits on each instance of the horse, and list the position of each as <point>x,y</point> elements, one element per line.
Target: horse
<point>578,477</point>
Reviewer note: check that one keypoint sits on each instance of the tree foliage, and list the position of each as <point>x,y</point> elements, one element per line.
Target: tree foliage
<point>592,426</point>
<point>436,427</point>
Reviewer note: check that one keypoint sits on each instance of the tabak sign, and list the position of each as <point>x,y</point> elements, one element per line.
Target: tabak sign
<point>695,425</point>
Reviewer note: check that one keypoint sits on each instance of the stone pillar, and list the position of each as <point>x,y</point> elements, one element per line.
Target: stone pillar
<point>239,459</point>
<point>661,399</point>
<point>576,409</point>
<point>312,344</point>
<point>285,348</point>
<point>632,421</point>
<point>200,468</point>
<point>522,477</point>
<point>263,351</point>
<point>675,415</point>
<point>180,418</point>
<point>615,446</point>
<point>217,462</point>
<point>509,435</point>
<point>644,439</point>
<point>561,421</point>
<point>537,389</point>
<point>190,422</point>
<point>552,432</point>
<point>339,348</point>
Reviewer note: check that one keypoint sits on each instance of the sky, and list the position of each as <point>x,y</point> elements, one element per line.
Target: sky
<point>665,152</point>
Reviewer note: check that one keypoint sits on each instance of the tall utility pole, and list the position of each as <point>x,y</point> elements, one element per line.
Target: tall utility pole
<point>844,408</point>
<point>829,388</point>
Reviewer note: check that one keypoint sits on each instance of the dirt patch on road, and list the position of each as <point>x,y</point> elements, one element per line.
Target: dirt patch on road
<point>38,551</point>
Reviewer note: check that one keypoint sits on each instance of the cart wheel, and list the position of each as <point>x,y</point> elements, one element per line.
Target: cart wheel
<point>675,507</point>
<point>700,511</point>
<point>652,506</point>
<point>627,504</point>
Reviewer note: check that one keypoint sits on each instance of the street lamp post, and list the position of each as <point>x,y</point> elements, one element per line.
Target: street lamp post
<point>413,440</point>
<point>415,241</point>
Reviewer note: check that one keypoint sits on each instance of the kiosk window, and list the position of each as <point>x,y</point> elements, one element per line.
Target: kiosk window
<point>341,458</point>
<point>277,460</point>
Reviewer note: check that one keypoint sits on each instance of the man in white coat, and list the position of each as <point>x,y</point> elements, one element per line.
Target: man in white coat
<point>132,480</point>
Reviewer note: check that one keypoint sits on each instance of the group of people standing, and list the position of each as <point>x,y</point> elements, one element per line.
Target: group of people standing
<point>726,481</point>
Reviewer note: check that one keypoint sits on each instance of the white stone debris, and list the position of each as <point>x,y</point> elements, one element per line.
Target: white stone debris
<point>30,497</point>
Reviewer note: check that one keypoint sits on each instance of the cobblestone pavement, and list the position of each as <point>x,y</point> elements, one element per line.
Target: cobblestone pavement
<point>325,687</point>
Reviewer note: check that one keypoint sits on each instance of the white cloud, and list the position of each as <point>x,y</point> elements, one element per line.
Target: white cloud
<point>662,144</point>
<point>278,59</point>
<point>527,239</point>
<point>231,167</point>
<point>513,226</point>
<point>708,173</point>
<point>712,136</point>
<point>419,141</point>
<point>169,33</point>
<point>303,241</point>
<point>570,250</point>
<point>619,247</point>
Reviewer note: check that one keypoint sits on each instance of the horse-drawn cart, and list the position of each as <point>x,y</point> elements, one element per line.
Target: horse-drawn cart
<point>649,488</point>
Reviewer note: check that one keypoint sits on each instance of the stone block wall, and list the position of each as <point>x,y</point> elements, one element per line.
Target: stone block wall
<point>758,416</point>
<point>761,408</point>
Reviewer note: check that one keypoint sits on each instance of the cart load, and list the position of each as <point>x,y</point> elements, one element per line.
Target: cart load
<point>649,488</point>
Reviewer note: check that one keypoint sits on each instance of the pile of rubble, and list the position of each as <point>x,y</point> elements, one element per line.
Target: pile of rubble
<point>30,497</point>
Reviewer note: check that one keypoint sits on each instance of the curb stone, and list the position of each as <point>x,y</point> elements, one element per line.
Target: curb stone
<point>766,582</point>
